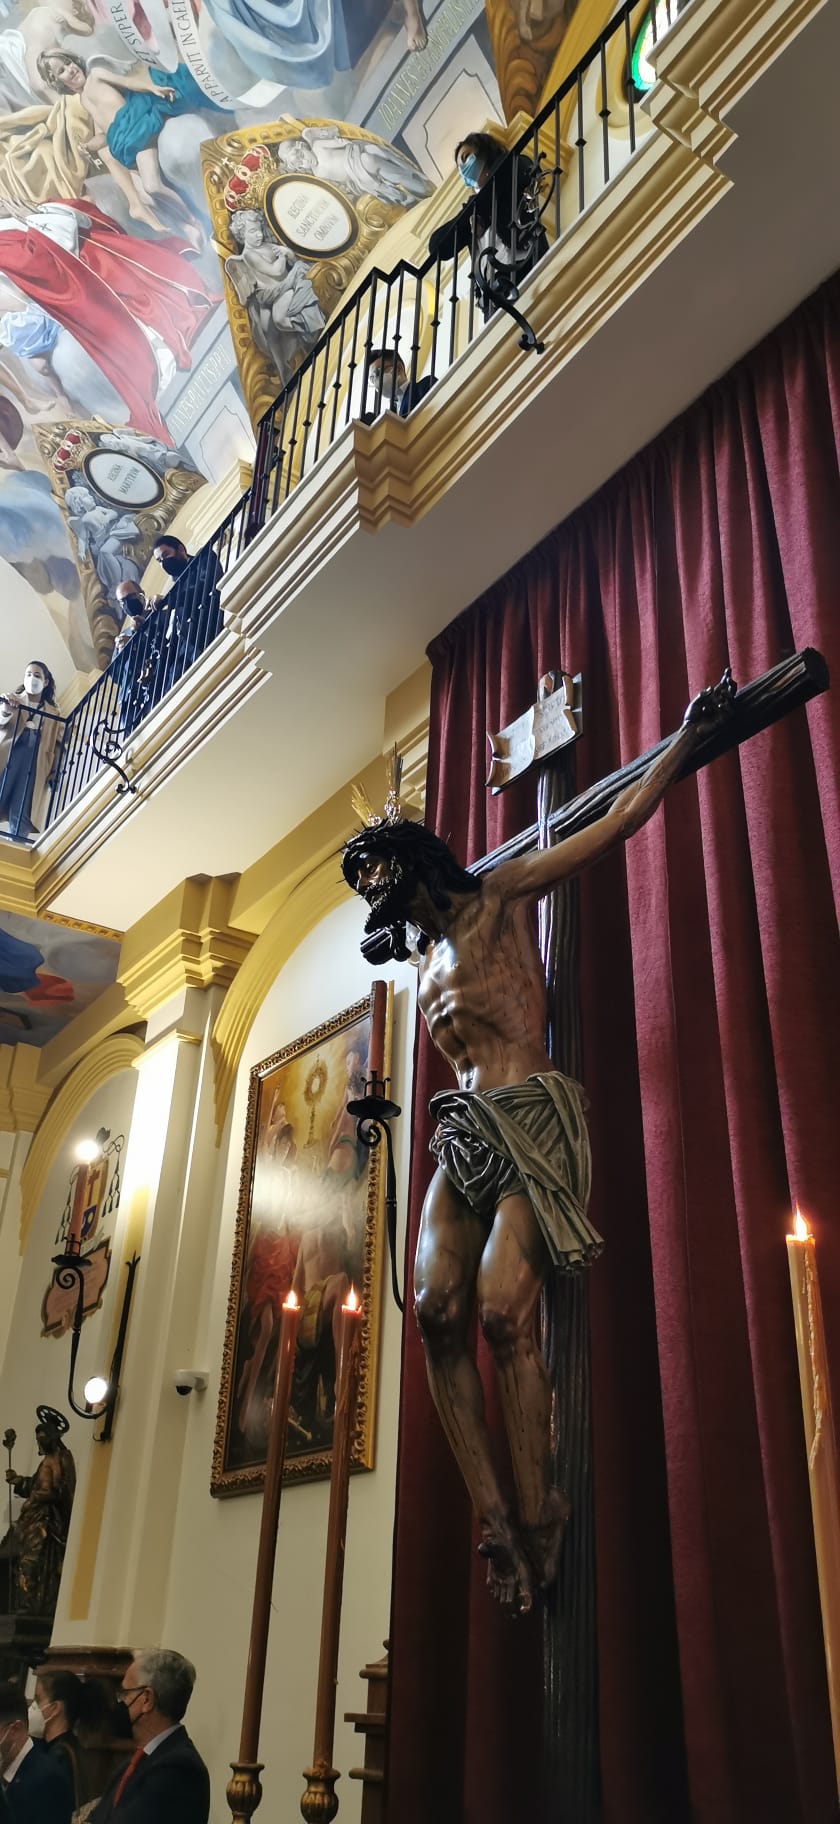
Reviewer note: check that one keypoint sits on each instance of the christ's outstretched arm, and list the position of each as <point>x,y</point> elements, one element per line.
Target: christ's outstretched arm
<point>532,875</point>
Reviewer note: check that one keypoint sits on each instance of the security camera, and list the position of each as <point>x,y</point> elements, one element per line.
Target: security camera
<point>188,1381</point>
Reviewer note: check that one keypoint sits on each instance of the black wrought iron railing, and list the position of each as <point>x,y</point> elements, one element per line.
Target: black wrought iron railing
<point>174,633</point>
<point>425,316</point>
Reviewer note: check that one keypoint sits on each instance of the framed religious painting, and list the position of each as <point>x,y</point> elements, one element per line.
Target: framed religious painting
<point>309,1218</point>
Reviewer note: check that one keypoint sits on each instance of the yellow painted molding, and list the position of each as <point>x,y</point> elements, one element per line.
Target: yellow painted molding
<point>110,1012</point>
<point>586,24</point>
<point>185,941</point>
<point>99,1461</point>
<point>312,897</point>
<point>23,1098</point>
<point>99,1464</point>
<point>299,882</point>
<point>115,1054</point>
<point>18,873</point>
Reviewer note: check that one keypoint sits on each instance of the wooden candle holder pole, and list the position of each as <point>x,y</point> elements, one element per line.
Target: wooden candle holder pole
<point>244,1790</point>
<point>319,1801</point>
<point>820,1442</point>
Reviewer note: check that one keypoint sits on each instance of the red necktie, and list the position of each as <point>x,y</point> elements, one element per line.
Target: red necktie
<point>126,1776</point>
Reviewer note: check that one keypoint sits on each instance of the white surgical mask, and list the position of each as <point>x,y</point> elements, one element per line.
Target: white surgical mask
<point>34,682</point>
<point>37,1721</point>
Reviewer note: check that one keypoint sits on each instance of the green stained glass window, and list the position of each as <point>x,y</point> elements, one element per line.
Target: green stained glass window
<point>642,72</point>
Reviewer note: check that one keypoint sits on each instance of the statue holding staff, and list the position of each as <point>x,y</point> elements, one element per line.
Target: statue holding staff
<point>40,1532</point>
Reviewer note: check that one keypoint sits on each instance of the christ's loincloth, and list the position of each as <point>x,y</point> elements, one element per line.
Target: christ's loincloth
<point>528,1138</point>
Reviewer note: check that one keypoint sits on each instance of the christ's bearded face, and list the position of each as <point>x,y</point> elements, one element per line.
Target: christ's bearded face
<point>388,886</point>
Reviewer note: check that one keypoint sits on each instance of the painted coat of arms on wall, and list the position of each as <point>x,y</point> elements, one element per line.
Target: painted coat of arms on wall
<point>118,489</point>
<point>93,1199</point>
<point>296,208</point>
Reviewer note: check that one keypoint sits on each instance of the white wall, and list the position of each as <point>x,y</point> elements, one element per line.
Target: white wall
<point>214,1548</point>
<point>34,1368</point>
<point>29,632</point>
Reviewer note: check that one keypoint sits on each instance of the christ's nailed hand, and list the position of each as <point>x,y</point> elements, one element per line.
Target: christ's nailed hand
<point>714,703</point>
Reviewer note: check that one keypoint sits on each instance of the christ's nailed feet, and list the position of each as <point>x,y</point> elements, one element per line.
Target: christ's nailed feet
<point>544,1542</point>
<point>509,1576</point>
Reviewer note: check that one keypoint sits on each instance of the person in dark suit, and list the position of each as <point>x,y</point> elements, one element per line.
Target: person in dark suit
<point>497,181</point>
<point>194,616</point>
<point>391,383</point>
<point>58,1705</point>
<point>35,1790</point>
<point>165,1781</point>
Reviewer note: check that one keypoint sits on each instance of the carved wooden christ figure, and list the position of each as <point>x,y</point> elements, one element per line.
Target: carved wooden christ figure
<point>509,1197</point>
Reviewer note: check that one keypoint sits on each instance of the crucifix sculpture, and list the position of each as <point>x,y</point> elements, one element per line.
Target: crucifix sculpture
<point>508,1201</point>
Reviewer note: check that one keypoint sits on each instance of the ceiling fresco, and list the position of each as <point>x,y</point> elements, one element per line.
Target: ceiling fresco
<point>49,972</point>
<point>117,291</point>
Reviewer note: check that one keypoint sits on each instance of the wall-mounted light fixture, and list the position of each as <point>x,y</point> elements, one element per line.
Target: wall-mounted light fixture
<point>100,1395</point>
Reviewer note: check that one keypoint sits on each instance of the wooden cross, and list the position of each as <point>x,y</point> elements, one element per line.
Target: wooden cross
<point>542,738</point>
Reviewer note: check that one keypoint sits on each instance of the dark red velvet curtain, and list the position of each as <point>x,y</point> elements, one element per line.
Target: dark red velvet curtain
<point>711,1018</point>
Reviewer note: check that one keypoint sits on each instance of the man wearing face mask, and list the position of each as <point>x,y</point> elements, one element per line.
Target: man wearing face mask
<point>391,385</point>
<point>57,1707</point>
<point>165,1781</point>
<point>485,225</point>
<point>192,600</point>
<point>136,611</point>
<point>136,661</point>
<point>34,1789</point>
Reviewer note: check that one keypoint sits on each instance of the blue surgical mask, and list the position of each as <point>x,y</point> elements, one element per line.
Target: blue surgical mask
<point>469,171</point>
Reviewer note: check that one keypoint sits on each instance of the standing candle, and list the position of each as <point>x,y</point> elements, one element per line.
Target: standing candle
<point>319,1799</point>
<point>822,1450</point>
<point>244,1790</point>
<point>376,1052</point>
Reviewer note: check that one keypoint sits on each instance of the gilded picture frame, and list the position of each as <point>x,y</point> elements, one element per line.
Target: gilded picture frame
<point>310,1214</point>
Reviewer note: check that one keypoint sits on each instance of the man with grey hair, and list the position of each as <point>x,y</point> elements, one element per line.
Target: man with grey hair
<point>165,1781</point>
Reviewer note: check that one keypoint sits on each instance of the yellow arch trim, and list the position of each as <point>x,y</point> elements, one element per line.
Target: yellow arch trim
<point>308,902</point>
<point>104,1061</point>
<point>586,24</point>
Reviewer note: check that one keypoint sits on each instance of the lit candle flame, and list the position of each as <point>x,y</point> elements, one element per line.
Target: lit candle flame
<point>351,1302</point>
<point>800,1226</point>
<point>291,1302</point>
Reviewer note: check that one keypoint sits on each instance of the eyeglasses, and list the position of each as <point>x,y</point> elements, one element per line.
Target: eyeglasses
<point>127,1693</point>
